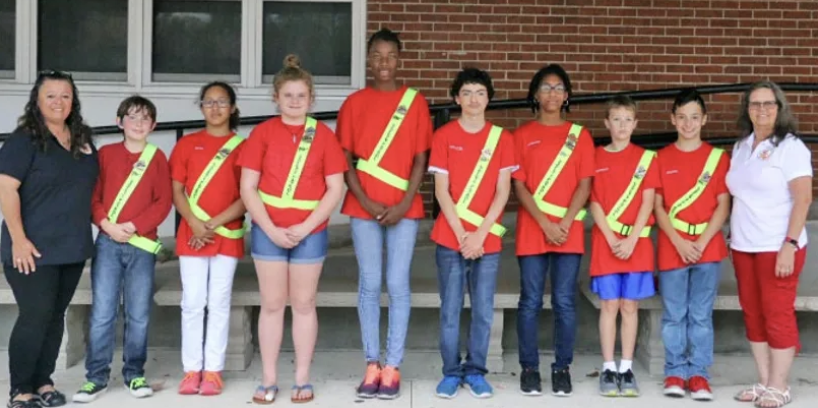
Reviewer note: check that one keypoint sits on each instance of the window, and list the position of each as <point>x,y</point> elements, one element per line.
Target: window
<point>196,40</point>
<point>320,33</point>
<point>88,38</point>
<point>7,33</point>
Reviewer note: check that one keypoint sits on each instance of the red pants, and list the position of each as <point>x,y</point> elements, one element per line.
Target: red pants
<point>768,302</point>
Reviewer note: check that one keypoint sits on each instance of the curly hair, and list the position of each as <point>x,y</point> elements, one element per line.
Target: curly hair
<point>785,122</point>
<point>32,120</point>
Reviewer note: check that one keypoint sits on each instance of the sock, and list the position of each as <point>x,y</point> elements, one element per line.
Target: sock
<point>609,365</point>
<point>625,365</point>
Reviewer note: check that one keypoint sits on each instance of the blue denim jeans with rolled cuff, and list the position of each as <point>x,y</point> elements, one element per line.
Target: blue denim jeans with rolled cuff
<point>116,269</point>
<point>534,269</point>
<point>455,275</point>
<point>368,239</point>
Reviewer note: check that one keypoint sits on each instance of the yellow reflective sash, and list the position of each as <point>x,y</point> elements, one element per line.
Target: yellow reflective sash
<point>553,172</point>
<point>286,200</point>
<point>124,194</point>
<point>205,178</point>
<point>473,184</point>
<point>693,194</point>
<point>370,166</point>
<point>627,197</point>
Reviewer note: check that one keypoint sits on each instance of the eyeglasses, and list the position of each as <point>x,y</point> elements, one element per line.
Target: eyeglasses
<point>222,103</point>
<point>559,88</point>
<point>756,105</point>
<point>54,74</point>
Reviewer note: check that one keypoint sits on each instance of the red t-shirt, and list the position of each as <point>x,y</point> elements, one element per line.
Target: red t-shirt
<point>151,200</point>
<point>614,172</point>
<point>679,172</point>
<point>271,150</point>
<point>189,159</point>
<point>455,152</point>
<point>537,147</point>
<point>361,122</point>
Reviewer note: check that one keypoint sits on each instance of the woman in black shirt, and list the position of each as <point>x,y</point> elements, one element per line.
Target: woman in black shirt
<point>48,168</point>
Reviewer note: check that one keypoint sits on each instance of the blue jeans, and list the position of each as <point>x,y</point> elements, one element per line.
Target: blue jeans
<point>119,268</point>
<point>368,238</point>
<point>454,273</point>
<point>533,272</point>
<point>688,295</point>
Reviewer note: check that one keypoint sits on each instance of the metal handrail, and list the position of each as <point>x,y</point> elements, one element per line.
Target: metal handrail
<point>442,112</point>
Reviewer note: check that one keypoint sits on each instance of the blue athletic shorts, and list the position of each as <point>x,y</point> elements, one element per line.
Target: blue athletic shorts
<point>628,285</point>
<point>312,249</point>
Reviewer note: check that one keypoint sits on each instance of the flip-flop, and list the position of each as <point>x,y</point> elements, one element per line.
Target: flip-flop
<point>268,392</point>
<point>298,389</point>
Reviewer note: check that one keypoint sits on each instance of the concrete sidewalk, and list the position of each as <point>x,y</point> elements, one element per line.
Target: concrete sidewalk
<point>336,374</point>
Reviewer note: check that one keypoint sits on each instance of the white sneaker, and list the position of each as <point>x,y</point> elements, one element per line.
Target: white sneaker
<point>140,388</point>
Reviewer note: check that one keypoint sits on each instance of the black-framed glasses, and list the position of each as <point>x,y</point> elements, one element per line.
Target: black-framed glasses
<point>54,74</point>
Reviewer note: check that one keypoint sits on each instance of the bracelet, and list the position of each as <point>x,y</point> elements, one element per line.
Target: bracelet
<point>792,241</point>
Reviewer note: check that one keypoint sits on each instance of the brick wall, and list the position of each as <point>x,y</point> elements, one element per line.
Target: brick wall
<point>610,45</point>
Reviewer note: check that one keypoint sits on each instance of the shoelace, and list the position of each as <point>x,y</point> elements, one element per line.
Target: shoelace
<point>190,376</point>
<point>627,377</point>
<point>213,377</point>
<point>88,387</point>
<point>138,383</point>
<point>563,379</point>
<point>610,376</point>
<point>699,384</point>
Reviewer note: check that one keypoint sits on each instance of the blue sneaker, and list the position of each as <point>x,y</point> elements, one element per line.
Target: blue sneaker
<point>447,387</point>
<point>478,386</point>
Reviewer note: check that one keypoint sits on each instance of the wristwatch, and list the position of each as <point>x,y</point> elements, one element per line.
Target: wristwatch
<point>792,241</point>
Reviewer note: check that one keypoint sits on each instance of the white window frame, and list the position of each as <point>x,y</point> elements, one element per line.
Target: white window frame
<point>139,54</point>
<point>356,80</point>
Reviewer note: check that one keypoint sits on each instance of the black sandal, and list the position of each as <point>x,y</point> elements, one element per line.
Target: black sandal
<point>51,399</point>
<point>32,403</point>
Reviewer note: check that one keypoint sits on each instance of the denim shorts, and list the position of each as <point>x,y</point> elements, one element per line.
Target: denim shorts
<point>312,249</point>
<point>628,285</point>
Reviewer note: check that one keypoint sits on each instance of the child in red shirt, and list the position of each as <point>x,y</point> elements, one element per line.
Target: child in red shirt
<point>691,206</point>
<point>622,252</point>
<point>472,161</point>
<point>553,183</point>
<point>126,248</point>
<point>210,239</point>
<point>387,129</point>
<point>292,179</point>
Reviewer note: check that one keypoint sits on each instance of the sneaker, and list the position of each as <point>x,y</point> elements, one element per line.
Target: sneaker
<point>674,387</point>
<point>561,383</point>
<point>372,380</point>
<point>212,383</point>
<point>478,386</point>
<point>530,382</point>
<point>140,388</point>
<point>627,384</point>
<point>390,383</point>
<point>700,389</point>
<point>190,384</point>
<point>89,392</point>
<point>609,384</point>
<point>447,387</point>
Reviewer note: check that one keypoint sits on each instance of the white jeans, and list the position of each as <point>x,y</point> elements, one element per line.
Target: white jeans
<point>206,281</point>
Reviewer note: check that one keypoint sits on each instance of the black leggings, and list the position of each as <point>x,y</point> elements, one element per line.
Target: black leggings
<point>42,298</point>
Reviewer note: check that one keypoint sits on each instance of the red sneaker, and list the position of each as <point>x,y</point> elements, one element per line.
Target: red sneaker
<point>674,387</point>
<point>700,389</point>
<point>212,383</point>
<point>190,384</point>
<point>372,381</point>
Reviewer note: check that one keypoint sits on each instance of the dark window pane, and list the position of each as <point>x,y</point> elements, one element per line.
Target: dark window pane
<point>196,40</point>
<point>7,28</point>
<point>319,33</point>
<point>89,36</point>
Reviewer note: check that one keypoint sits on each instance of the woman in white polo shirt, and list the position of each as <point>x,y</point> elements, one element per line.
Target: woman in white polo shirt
<point>770,179</point>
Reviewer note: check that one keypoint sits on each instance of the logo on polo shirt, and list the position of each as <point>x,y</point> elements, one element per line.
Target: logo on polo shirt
<point>458,148</point>
<point>705,178</point>
<point>765,154</point>
<point>640,172</point>
<point>571,143</point>
<point>223,153</point>
<point>139,165</point>
<point>602,169</point>
<point>534,143</point>
<point>309,135</point>
<point>485,155</point>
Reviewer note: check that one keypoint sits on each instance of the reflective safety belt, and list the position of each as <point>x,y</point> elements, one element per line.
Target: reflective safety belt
<point>627,197</point>
<point>203,181</point>
<point>124,194</point>
<point>473,184</point>
<point>286,200</point>
<point>691,196</point>
<point>553,172</point>
<point>370,166</point>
